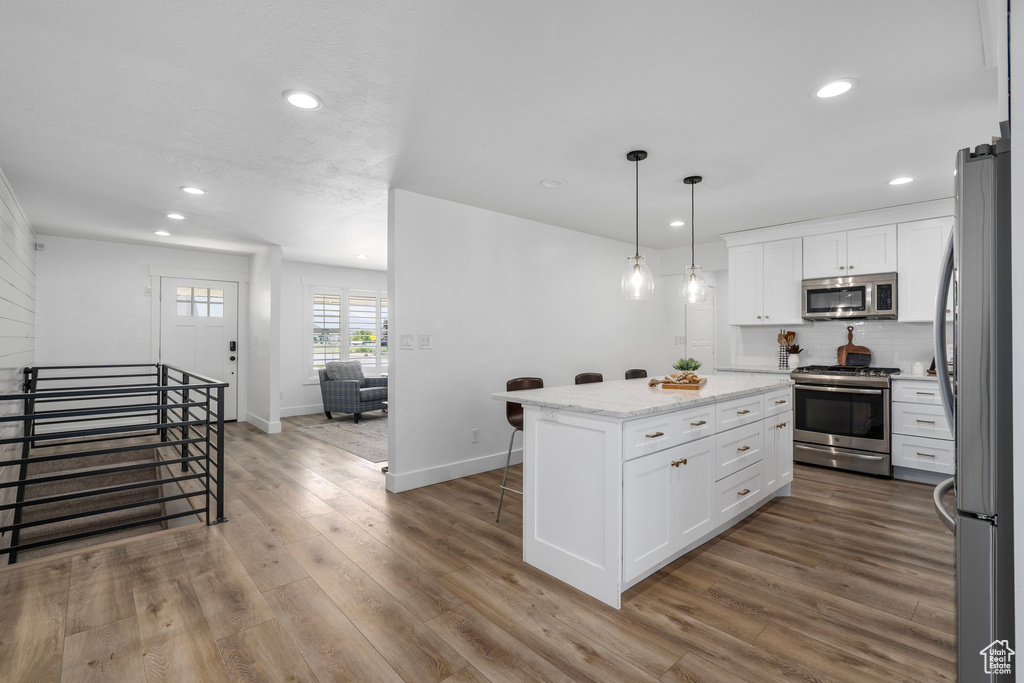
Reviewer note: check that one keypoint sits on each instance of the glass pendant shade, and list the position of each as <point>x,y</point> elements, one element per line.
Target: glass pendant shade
<point>694,288</point>
<point>637,280</point>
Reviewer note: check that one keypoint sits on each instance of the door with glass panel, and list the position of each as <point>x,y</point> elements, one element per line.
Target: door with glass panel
<point>199,331</point>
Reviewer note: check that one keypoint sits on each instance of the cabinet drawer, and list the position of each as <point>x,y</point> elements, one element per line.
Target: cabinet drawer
<point>738,412</point>
<point>651,434</point>
<point>738,448</point>
<point>920,453</point>
<point>697,422</point>
<point>916,392</point>
<point>776,402</point>
<point>920,420</point>
<point>738,492</point>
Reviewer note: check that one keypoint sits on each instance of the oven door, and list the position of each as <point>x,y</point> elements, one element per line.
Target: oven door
<point>842,417</point>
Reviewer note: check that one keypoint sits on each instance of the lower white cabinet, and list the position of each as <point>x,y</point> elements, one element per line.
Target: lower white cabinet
<point>738,492</point>
<point>778,451</point>
<point>921,437</point>
<point>666,504</point>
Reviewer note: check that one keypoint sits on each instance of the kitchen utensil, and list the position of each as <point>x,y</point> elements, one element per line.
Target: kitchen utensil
<point>782,339</point>
<point>850,354</point>
<point>790,338</point>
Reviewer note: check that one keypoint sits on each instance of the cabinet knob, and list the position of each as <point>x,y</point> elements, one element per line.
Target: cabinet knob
<point>766,317</point>
<point>677,463</point>
<point>743,492</point>
<point>758,317</point>
<point>927,455</point>
<point>655,435</point>
<point>948,311</point>
<point>851,267</point>
<point>745,448</point>
<point>842,267</point>
<point>698,424</point>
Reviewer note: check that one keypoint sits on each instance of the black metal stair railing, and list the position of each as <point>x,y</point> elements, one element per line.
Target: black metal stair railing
<point>76,416</point>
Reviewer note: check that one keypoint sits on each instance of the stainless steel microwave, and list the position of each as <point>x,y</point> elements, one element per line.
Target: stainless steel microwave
<point>856,296</point>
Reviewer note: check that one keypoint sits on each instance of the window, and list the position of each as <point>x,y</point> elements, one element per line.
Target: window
<point>326,329</point>
<point>200,302</point>
<point>368,329</point>
<point>346,325</point>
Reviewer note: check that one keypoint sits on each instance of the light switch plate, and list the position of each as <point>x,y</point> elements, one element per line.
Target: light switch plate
<point>405,342</point>
<point>426,341</point>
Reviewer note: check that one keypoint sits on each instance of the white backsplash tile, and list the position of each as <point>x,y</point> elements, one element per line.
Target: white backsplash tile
<point>893,344</point>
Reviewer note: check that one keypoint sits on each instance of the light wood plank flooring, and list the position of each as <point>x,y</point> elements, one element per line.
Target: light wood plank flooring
<point>322,575</point>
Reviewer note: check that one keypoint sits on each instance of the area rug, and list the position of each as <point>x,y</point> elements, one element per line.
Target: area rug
<point>368,439</point>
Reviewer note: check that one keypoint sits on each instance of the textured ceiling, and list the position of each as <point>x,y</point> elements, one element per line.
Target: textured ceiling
<point>110,106</point>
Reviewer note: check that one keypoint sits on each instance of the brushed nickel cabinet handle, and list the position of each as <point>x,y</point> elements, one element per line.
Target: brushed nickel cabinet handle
<point>655,435</point>
<point>698,424</point>
<point>927,455</point>
<point>743,492</point>
<point>927,422</point>
<point>926,393</point>
<point>745,448</point>
<point>742,412</point>
<point>677,463</point>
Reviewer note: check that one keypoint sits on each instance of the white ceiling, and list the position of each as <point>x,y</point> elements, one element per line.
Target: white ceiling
<point>110,106</point>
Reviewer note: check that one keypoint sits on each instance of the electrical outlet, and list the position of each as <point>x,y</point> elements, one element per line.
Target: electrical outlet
<point>426,341</point>
<point>281,396</point>
<point>149,291</point>
<point>405,342</point>
<point>476,436</point>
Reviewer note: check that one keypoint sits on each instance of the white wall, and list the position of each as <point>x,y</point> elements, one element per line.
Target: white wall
<point>264,333</point>
<point>301,393</point>
<point>503,297</point>
<point>17,326</point>
<point>93,306</point>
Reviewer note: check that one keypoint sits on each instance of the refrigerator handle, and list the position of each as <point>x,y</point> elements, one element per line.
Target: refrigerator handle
<point>941,373</point>
<point>940,509</point>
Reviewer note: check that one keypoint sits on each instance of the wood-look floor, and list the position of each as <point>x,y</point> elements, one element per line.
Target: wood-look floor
<point>321,574</point>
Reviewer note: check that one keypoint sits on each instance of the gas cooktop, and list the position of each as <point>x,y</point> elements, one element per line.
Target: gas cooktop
<point>845,371</point>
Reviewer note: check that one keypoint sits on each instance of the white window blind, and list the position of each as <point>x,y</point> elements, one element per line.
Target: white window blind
<point>326,329</point>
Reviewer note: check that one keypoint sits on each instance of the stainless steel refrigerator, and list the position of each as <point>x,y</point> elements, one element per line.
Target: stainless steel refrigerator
<point>978,397</point>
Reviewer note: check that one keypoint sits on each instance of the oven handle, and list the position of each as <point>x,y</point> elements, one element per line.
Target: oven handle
<point>841,454</point>
<point>844,390</point>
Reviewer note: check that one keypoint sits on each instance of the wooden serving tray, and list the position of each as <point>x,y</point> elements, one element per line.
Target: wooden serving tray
<point>691,387</point>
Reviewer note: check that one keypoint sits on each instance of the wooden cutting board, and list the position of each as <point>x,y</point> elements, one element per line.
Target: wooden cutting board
<point>844,352</point>
<point>692,387</point>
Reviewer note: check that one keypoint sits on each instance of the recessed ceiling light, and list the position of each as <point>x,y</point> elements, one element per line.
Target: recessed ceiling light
<point>677,224</point>
<point>176,216</point>
<point>834,88</point>
<point>302,100</point>
<point>362,256</point>
<point>193,190</point>
<point>901,181</point>
<point>552,182</point>
<point>162,233</point>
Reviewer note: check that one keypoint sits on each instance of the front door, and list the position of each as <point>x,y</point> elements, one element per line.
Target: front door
<point>199,331</point>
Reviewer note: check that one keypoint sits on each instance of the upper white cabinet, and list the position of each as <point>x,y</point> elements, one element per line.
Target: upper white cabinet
<point>764,283</point>
<point>921,244</point>
<point>850,252</point>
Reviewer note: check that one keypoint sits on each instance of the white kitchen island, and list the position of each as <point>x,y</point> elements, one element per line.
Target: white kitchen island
<point>619,478</point>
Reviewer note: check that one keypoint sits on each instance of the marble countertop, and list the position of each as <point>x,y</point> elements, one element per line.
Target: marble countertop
<point>628,398</point>
<point>762,369</point>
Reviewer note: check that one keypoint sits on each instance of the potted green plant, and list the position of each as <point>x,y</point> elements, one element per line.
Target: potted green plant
<point>684,364</point>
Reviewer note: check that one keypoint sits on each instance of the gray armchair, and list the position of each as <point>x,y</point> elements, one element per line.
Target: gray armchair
<point>345,389</point>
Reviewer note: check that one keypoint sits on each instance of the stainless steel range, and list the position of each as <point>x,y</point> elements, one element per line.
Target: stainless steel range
<point>841,417</point>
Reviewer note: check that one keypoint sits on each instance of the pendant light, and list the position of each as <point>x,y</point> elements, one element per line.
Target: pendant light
<point>637,281</point>
<point>694,289</point>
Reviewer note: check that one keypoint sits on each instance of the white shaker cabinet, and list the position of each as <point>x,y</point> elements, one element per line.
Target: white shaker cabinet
<point>850,252</point>
<point>778,450</point>
<point>921,245</point>
<point>764,283</point>
<point>666,504</point>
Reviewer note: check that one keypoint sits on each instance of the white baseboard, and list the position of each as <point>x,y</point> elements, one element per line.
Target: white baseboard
<point>259,422</point>
<point>406,481</point>
<point>302,410</point>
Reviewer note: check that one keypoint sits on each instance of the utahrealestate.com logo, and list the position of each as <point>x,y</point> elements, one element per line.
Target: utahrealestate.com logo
<point>998,657</point>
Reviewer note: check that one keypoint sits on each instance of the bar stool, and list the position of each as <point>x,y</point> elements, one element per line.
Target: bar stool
<point>589,377</point>
<point>635,373</point>
<point>514,414</point>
